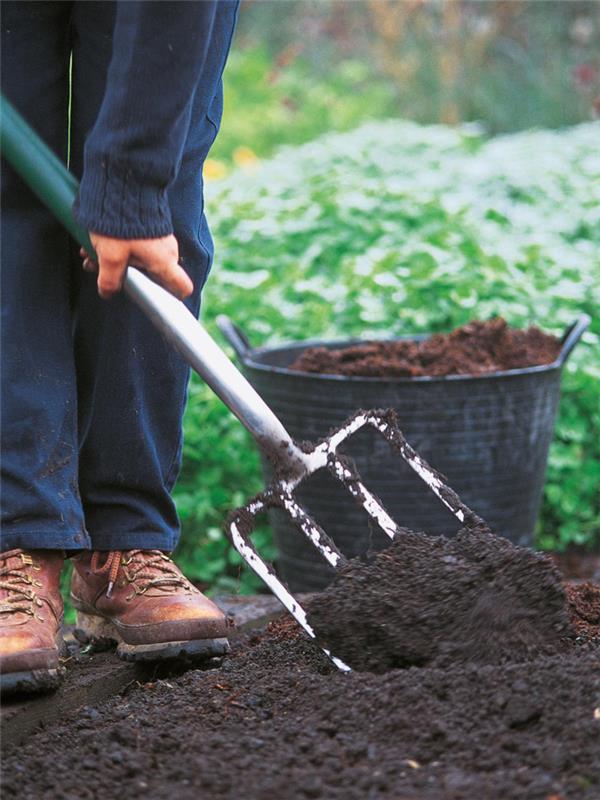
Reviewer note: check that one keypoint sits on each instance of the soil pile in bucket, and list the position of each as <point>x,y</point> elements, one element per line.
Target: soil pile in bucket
<point>474,349</point>
<point>433,601</point>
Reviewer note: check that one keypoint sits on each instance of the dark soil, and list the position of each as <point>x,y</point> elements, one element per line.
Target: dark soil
<point>579,564</point>
<point>506,706</point>
<point>434,601</point>
<point>277,721</point>
<point>473,349</point>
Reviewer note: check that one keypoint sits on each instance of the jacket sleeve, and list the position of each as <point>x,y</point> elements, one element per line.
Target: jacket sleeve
<point>135,147</point>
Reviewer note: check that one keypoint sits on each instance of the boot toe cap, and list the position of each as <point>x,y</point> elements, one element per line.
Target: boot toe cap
<point>174,622</point>
<point>20,653</point>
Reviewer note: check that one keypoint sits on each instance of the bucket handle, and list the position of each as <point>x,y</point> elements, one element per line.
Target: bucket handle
<point>234,335</point>
<point>572,335</point>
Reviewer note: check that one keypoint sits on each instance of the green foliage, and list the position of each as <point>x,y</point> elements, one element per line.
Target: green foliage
<point>392,229</point>
<point>65,588</point>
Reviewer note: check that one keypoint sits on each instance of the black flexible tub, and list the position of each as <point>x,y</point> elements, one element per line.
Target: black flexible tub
<point>488,434</point>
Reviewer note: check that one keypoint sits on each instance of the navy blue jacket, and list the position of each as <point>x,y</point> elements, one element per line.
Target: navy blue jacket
<point>134,151</point>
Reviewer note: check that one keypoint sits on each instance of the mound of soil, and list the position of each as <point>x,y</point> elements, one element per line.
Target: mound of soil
<point>473,349</point>
<point>584,608</point>
<point>276,720</point>
<point>435,601</point>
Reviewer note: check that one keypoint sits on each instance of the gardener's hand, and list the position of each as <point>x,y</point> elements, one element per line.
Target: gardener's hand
<point>159,257</point>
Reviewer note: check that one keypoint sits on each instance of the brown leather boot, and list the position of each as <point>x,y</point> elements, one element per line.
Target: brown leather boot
<point>31,611</point>
<point>141,600</point>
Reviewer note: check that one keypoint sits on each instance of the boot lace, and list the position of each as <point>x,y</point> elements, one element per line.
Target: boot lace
<point>140,568</point>
<point>18,584</point>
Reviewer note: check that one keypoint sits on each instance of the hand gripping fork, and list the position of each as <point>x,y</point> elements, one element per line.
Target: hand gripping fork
<point>56,187</point>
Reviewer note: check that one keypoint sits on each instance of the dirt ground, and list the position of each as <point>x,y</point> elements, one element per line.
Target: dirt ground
<point>473,349</point>
<point>275,720</point>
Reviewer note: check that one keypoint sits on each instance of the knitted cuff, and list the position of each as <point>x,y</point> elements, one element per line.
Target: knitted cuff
<point>113,200</point>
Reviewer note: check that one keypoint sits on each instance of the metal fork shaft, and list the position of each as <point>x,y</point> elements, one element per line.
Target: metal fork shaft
<point>203,354</point>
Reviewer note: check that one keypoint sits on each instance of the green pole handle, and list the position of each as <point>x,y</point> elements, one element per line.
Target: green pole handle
<point>41,170</point>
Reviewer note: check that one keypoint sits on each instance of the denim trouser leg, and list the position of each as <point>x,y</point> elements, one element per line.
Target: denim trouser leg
<point>131,386</point>
<point>40,497</point>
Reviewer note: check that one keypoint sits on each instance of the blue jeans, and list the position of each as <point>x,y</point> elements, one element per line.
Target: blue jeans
<point>92,395</point>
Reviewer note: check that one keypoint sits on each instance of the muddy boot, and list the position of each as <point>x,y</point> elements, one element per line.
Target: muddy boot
<point>141,600</point>
<point>31,611</point>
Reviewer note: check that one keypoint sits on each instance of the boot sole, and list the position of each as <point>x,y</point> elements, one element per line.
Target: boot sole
<point>31,681</point>
<point>101,631</point>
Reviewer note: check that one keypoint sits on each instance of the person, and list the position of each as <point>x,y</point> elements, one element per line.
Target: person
<point>130,95</point>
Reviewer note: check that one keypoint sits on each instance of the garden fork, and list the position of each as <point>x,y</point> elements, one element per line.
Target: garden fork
<point>56,187</point>
<point>293,465</point>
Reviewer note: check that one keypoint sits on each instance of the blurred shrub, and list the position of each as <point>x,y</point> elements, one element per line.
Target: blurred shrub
<point>302,68</point>
<point>398,228</point>
<point>511,64</point>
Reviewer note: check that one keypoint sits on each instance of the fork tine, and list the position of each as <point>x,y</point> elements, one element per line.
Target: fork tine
<point>240,527</point>
<point>310,529</point>
<point>367,499</point>
<point>386,423</point>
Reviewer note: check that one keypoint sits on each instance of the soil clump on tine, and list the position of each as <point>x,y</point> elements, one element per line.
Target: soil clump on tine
<point>473,349</point>
<point>433,601</point>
